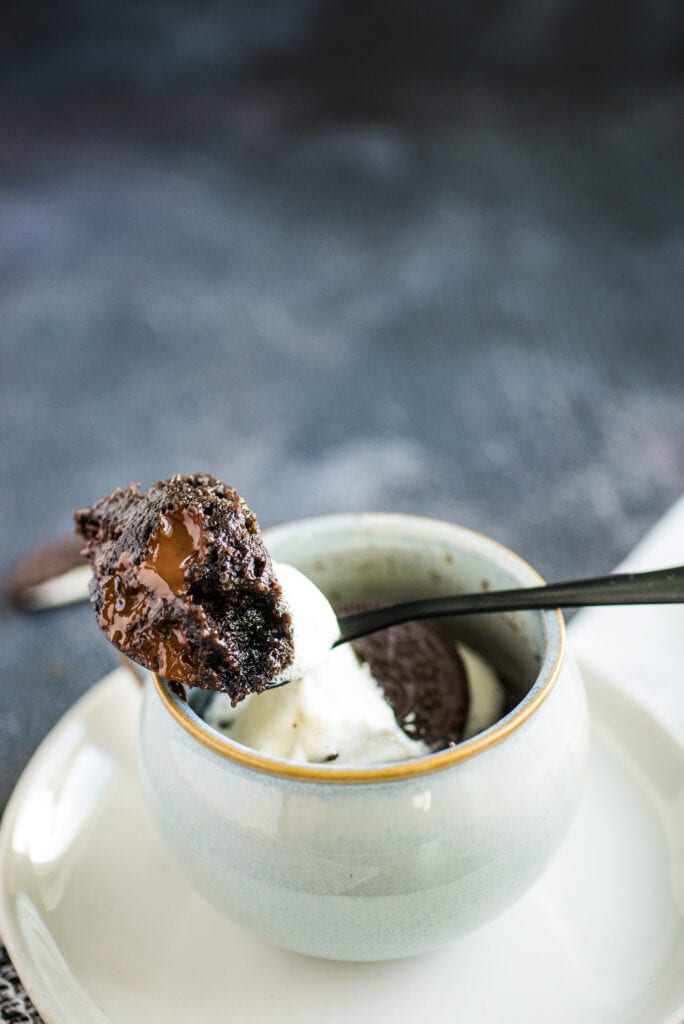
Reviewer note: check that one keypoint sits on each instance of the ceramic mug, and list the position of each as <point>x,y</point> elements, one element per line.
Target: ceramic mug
<point>376,862</point>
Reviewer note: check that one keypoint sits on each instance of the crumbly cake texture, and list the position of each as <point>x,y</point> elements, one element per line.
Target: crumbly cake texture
<point>183,584</point>
<point>423,679</point>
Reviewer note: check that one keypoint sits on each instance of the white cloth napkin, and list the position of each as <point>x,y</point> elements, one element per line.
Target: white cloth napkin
<point>642,647</point>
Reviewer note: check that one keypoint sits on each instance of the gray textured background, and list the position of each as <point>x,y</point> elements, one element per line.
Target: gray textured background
<point>386,259</point>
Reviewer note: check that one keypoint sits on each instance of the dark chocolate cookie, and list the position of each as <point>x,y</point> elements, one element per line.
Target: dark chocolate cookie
<point>183,584</point>
<point>423,679</point>
<point>42,564</point>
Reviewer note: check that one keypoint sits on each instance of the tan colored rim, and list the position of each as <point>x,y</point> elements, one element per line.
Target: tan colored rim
<point>386,773</point>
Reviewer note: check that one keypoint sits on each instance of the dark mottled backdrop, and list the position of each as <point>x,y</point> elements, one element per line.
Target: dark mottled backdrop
<point>423,257</point>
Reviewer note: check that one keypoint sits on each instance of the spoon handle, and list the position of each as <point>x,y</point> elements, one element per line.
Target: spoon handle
<point>662,586</point>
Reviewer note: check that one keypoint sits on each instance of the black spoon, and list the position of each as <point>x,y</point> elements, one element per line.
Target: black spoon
<point>662,586</point>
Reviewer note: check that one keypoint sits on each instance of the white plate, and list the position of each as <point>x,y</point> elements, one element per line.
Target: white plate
<point>103,928</point>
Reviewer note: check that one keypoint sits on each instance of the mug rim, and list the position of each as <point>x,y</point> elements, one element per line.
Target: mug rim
<point>249,758</point>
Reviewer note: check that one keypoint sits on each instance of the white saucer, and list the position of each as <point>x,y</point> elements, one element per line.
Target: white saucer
<point>103,928</point>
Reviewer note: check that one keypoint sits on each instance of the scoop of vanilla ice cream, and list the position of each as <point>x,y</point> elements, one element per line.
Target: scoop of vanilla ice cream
<point>334,712</point>
<point>485,690</point>
<point>333,709</point>
<point>314,623</point>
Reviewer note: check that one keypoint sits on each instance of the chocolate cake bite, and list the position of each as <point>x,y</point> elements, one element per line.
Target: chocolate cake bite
<point>183,585</point>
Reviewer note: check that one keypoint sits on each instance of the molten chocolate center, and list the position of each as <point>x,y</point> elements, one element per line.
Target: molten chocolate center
<point>175,545</point>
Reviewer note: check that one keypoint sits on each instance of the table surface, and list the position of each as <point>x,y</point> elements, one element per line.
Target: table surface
<point>438,297</point>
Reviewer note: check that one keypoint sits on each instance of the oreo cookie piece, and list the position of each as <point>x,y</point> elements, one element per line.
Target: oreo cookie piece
<point>422,677</point>
<point>49,575</point>
<point>183,584</point>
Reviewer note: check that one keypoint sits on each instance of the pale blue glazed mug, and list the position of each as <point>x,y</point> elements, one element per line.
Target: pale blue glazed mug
<point>377,862</point>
